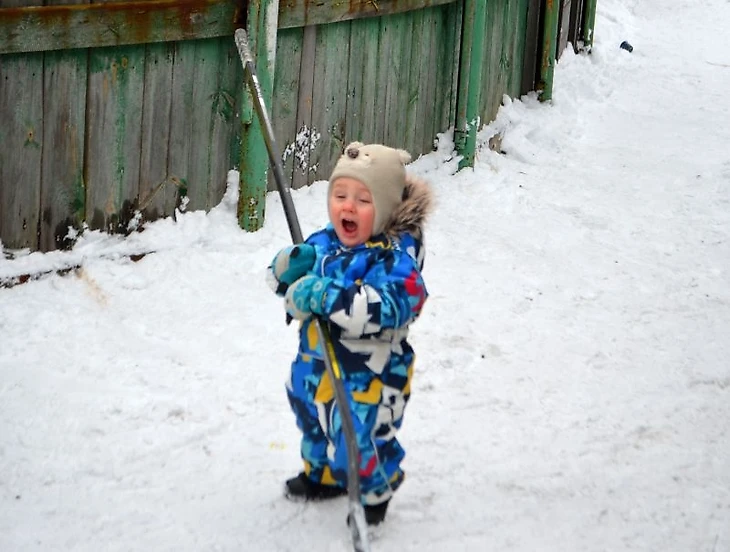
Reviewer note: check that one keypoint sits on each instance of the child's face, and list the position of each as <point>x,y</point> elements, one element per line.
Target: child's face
<point>351,211</point>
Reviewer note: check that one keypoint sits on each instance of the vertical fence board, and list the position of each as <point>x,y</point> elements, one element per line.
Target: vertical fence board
<point>224,108</point>
<point>368,40</point>
<point>64,128</point>
<point>306,137</point>
<point>442,81</point>
<point>21,132</point>
<point>156,192</point>
<point>399,26</point>
<point>414,126</point>
<point>330,96</point>
<point>289,45</point>
<point>430,82</point>
<point>114,134</point>
<point>21,113</point>
<point>518,48</point>
<point>531,48</point>
<point>181,129</point>
<point>196,96</point>
<point>354,117</point>
<point>205,88</point>
<point>449,65</point>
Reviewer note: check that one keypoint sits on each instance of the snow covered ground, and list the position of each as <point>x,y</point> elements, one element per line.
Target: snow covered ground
<point>572,391</point>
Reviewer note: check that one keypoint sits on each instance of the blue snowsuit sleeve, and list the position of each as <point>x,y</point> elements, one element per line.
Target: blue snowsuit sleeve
<point>390,294</point>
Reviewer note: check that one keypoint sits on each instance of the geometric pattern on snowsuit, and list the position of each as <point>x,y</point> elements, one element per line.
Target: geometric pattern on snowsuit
<point>375,293</point>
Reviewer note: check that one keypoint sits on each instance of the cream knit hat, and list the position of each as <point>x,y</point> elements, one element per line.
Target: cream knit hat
<point>381,169</point>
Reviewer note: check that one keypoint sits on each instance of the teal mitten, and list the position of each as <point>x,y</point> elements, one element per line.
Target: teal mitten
<point>306,296</point>
<point>290,264</point>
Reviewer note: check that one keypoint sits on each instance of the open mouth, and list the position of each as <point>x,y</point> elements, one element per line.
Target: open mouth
<point>349,226</point>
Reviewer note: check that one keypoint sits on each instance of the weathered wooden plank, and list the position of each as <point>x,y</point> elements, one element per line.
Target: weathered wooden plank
<point>32,29</point>
<point>355,82</point>
<point>299,13</point>
<point>455,13</point>
<point>383,74</point>
<point>367,40</point>
<point>329,99</point>
<point>64,127</point>
<point>223,119</point>
<point>156,191</point>
<point>21,138</point>
<point>518,48</point>
<point>62,189</point>
<point>447,71</point>
<point>21,113</point>
<point>564,26</point>
<point>401,27</point>
<point>285,104</point>
<point>183,74</point>
<point>429,80</point>
<point>491,80</point>
<point>414,125</point>
<point>205,90</point>
<point>194,102</point>
<point>114,115</point>
<point>530,61</point>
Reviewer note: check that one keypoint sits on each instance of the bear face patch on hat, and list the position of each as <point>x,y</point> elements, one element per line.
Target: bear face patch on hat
<point>381,169</point>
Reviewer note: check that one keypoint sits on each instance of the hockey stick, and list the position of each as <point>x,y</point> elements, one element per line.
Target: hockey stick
<point>358,525</point>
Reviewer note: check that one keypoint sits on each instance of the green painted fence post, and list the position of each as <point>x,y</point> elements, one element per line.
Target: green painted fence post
<point>470,80</point>
<point>549,47</point>
<point>261,29</point>
<point>589,23</point>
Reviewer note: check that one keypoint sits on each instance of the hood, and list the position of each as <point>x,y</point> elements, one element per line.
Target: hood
<point>410,215</point>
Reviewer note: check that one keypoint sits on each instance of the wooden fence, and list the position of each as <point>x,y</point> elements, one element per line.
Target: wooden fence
<point>109,108</point>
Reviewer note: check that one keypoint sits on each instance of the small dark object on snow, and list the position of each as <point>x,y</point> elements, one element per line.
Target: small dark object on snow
<point>626,46</point>
<point>303,488</point>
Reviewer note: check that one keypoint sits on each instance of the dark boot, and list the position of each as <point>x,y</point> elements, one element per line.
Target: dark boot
<point>374,515</point>
<point>303,488</point>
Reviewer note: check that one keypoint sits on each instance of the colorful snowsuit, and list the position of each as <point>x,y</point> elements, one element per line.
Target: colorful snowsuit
<point>376,293</point>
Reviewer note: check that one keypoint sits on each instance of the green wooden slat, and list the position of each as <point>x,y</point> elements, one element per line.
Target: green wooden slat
<point>205,92</point>
<point>306,137</point>
<point>429,79</point>
<point>195,101</point>
<point>401,27</point>
<point>114,135</point>
<point>447,70</point>
<point>63,193</point>
<point>368,35</point>
<point>156,192</point>
<point>414,126</point>
<point>380,96</point>
<point>356,81</point>
<point>32,29</point>
<point>183,76</point>
<point>451,53</point>
<point>64,129</point>
<point>299,13</point>
<point>289,45</point>
<point>329,100</point>
<point>21,139</point>
<point>223,118</point>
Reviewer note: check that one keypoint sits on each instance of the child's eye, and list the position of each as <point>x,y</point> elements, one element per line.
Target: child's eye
<point>365,200</point>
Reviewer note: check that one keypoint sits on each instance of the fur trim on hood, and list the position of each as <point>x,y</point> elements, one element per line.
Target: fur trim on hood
<point>410,215</point>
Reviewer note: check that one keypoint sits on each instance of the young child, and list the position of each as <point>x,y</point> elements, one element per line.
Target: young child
<point>361,275</point>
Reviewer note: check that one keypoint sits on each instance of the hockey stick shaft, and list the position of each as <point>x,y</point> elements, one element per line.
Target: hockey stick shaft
<point>358,524</point>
